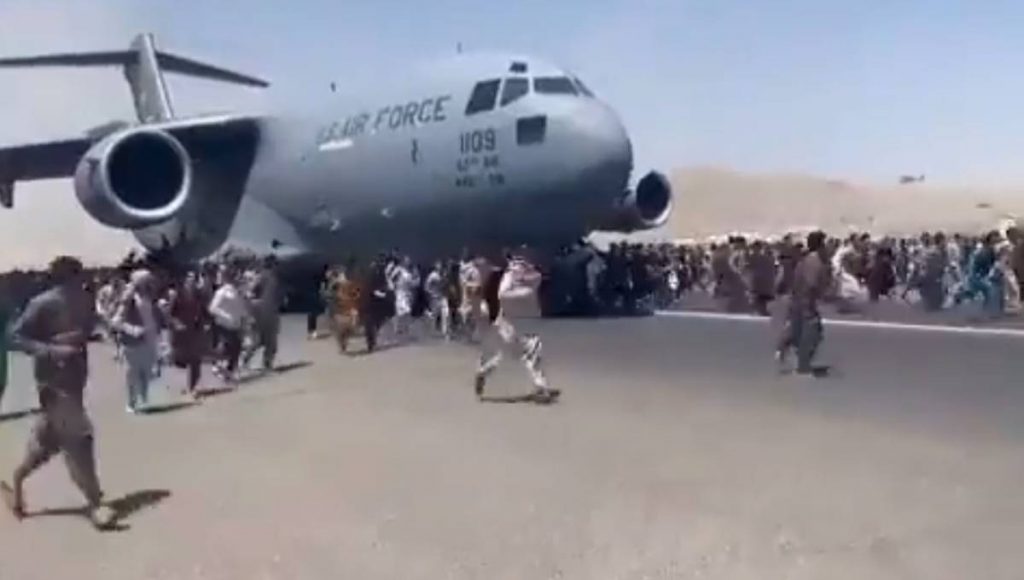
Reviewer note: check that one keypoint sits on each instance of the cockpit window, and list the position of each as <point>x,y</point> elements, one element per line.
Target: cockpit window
<point>514,89</point>
<point>484,95</point>
<point>583,88</point>
<point>554,86</point>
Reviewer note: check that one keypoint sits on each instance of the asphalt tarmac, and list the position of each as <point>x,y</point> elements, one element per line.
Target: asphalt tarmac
<point>890,310</point>
<point>677,451</point>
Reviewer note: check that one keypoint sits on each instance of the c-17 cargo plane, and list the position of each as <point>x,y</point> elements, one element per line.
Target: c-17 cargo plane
<point>478,151</point>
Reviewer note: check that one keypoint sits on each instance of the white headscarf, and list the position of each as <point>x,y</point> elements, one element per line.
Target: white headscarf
<point>141,277</point>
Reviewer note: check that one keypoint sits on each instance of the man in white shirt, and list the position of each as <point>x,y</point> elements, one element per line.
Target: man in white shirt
<point>438,301</point>
<point>230,311</point>
<point>405,282</point>
<point>108,297</point>
<point>515,296</point>
<point>471,281</point>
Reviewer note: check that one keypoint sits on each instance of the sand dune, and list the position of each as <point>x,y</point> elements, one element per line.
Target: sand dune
<point>711,201</point>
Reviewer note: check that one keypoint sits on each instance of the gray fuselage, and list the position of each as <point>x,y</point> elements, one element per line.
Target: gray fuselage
<point>411,169</point>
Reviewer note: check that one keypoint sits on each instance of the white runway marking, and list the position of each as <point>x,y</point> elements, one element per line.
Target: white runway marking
<point>937,328</point>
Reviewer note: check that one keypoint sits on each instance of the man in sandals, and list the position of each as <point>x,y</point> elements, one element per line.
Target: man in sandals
<point>54,330</point>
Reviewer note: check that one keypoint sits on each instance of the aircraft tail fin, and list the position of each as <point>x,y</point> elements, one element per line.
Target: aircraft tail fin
<point>143,68</point>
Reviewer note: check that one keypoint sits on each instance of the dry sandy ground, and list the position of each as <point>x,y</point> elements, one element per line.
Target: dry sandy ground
<point>676,452</point>
<point>709,202</point>
<point>712,201</point>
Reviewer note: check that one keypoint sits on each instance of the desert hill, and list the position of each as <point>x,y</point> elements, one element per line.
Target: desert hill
<point>712,201</point>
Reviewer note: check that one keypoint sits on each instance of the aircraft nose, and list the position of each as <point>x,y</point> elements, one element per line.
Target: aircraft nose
<point>605,145</point>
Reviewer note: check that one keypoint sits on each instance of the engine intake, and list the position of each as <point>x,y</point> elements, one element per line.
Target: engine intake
<point>646,207</point>
<point>134,178</point>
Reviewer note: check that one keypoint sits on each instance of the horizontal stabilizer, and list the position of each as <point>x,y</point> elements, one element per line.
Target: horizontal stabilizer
<point>167,61</point>
<point>117,57</point>
<point>194,68</point>
<point>143,67</point>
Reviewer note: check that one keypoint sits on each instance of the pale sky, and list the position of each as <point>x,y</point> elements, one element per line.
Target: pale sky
<point>861,90</point>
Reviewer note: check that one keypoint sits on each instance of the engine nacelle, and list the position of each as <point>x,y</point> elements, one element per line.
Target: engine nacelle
<point>134,178</point>
<point>646,207</point>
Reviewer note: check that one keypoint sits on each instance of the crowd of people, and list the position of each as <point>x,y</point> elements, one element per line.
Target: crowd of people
<point>227,310</point>
<point>934,271</point>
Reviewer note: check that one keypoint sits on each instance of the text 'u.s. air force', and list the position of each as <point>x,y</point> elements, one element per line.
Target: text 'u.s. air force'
<point>391,117</point>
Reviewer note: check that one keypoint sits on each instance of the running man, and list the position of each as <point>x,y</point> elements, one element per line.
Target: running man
<point>54,329</point>
<point>515,296</point>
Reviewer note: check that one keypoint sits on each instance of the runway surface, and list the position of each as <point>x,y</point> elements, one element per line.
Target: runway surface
<point>677,451</point>
<point>887,310</point>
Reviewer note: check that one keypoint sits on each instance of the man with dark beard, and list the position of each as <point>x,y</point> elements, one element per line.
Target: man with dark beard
<point>54,329</point>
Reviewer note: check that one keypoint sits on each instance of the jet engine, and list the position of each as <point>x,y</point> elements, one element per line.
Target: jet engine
<point>134,178</point>
<point>646,207</point>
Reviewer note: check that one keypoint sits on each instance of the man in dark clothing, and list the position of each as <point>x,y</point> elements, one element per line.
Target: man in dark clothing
<point>54,329</point>
<point>317,301</point>
<point>375,303</point>
<point>803,329</point>
<point>761,270</point>
<point>639,281</point>
<point>189,320</point>
<point>931,282</point>
<point>1016,239</point>
<point>453,294</point>
<point>789,257</point>
<point>616,279</point>
<point>881,277</point>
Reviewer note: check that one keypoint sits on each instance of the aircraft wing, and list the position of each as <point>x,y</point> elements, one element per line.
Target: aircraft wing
<point>56,159</point>
<point>41,160</point>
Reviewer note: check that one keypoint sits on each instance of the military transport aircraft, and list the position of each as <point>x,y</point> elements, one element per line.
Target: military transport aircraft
<point>480,151</point>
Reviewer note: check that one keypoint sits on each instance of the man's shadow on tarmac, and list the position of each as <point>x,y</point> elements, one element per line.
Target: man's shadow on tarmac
<point>14,416</point>
<point>508,400</point>
<point>168,408</point>
<point>123,507</point>
<point>517,399</point>
<point>379,348</point>
<point>217,391</point>
<point>278,370</point>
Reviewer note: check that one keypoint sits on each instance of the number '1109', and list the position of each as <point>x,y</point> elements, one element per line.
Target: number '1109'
<point>478,141</point>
